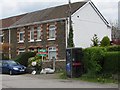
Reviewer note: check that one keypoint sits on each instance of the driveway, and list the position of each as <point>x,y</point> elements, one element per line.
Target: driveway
<point>47,81</point>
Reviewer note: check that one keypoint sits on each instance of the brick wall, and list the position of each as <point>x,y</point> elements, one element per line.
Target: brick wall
<point>59,65</point>
<point>59,42</point>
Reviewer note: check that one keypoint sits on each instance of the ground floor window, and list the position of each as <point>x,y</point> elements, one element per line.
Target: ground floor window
<point>31,49</point>
<point>52,53</point>
<point>21,51</point>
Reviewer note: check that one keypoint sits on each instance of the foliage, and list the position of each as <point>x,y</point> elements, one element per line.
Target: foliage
<point>111,62</point>
<point>63,75</point>
<point>4,57</point>
<point>95,40</point>
<point>105,41</point>
<point>93,59</point>
<point>38,66</point>
<point>106,78</point>
<point>36,59</point>
<point>23,58</point>
<point>113,48</point>
<point>70,38</point>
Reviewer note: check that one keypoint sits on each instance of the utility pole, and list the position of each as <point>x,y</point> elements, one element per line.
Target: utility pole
<point>69,15</point>
<point>70,42</point>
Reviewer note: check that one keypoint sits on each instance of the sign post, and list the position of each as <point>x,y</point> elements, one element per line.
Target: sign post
<point>42,52</point>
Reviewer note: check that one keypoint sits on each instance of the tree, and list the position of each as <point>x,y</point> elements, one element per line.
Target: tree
<point>70,38</point>
<point>4,48</point>
<point>105,41</point>
<point>95,40</point>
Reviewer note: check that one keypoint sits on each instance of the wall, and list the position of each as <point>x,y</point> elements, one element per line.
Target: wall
<point>59,65</point>
<point>86,23</point>
<point>44,43</point>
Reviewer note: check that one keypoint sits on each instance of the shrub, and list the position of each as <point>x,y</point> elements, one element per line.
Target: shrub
<point>111,62</point>
<point>105,41</point>
<point>113,48</point>
<point>95,40</point>
<point>93,59</point>
<point>36,59</point>
<point>23,58</point>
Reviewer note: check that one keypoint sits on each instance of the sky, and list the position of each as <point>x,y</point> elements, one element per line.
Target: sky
<point>8,8</point>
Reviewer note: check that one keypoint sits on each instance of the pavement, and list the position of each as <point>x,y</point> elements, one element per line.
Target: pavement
<point>47,81</point>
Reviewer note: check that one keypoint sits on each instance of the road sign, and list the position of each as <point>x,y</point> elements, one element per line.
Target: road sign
<point>42,52</point>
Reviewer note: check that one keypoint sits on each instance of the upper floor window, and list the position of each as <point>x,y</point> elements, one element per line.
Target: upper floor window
<point>32,34</point>
<point>38,33</point>
<point>21,36</point>
<point>1,37</point>
<point>52,31</point>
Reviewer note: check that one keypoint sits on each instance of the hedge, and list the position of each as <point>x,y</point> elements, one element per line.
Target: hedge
<point>93,59</point>
<point>111,62</point>
<point>23,58</point>
<point>113,48</point>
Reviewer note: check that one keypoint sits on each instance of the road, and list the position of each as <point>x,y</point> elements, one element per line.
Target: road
<point>47,81</point>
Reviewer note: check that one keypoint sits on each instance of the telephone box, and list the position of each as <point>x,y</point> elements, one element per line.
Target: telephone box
<point>74,65</point>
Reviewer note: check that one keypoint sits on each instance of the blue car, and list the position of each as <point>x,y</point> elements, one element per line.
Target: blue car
<point>11,67</point>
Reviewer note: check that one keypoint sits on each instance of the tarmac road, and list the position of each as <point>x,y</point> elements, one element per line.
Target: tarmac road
<point>47,81</point>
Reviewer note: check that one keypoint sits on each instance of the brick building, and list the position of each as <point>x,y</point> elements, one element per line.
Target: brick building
<point>48,29</point>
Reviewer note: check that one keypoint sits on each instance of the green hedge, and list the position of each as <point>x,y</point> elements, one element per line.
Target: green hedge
<point>23,58</point>
<point>93,59</point>
<point>111,62</point>
<point>113,48</point>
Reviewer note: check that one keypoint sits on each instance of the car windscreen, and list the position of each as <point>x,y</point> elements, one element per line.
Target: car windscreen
<point>12,63</point>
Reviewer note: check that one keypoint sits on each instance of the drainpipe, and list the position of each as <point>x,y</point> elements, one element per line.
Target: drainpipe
<point>9,44</point>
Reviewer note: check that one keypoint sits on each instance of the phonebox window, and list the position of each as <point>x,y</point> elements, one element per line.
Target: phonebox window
<point>52,29</point>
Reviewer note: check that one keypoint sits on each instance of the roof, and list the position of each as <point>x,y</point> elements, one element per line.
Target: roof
<point>4,23</point>
<point>49,13</point>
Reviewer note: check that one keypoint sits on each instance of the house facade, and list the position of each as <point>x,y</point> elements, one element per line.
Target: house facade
<point>48,29</point>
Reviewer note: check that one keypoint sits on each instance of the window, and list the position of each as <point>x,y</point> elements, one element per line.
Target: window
<point>32,34</point>
<point>31,50</point>
<point>51,52</point>
<point>1,37</point>
<point>21,50</point>
<point>38,33</point>
<point>21,36</point>
<point>52,31</point>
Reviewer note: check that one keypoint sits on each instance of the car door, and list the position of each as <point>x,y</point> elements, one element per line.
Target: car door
<point>5,67</point>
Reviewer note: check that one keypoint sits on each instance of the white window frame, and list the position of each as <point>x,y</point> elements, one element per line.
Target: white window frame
<point>52,28</point>
<point>1,39</point>
<point>22,50</point>
<point>53,49</point>
<point>32,31</point>
<point>22,32</point>
<point>39,32</point>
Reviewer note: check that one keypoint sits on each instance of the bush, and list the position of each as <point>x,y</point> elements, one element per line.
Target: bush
<point>38,66</point>
<point>23,58</point>
<point>113,48</point>
<point>111,62</point>
<point>93,59</point>
<point>105,41</point>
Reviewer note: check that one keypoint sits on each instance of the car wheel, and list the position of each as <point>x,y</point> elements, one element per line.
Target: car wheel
<point>10,72</point>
